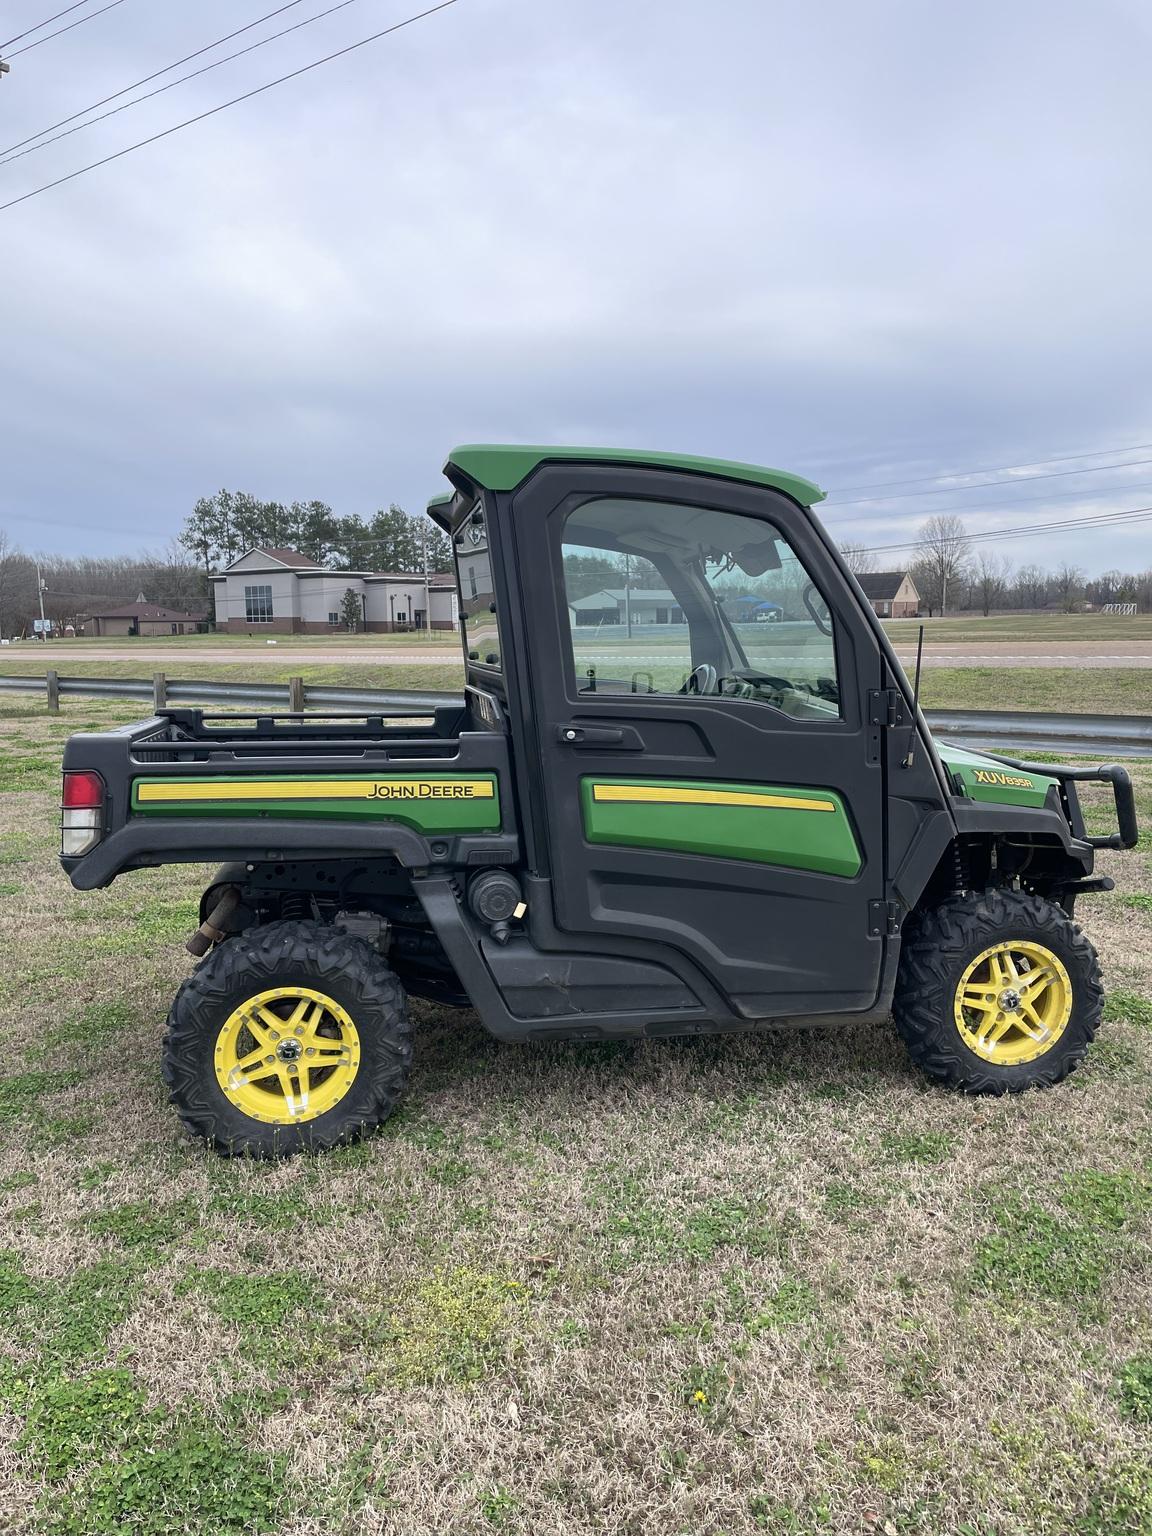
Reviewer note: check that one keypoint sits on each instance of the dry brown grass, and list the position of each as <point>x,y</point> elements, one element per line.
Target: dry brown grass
<point>763,1284</point>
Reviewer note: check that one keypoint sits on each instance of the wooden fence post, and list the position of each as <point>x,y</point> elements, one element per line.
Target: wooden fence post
<point>159,691</point>
<point>53,685</point>
<point>296,695</point>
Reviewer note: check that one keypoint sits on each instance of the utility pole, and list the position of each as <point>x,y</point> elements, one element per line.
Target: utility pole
<point>40,586</point>
<point>4,68</point>
<point>628,593</point>
<point>427,597</point>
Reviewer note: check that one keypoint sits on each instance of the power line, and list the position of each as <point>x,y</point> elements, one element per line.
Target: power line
<point>943,490</point>
<point>1017,501</point>
<point>999,469</point>
<point>188,57</point>
<point>28,31</point>
<point>1130,515</point>
<point>160,89</point>
<point>1118,519</point>
<point>247,95</point>
<point>1125,518</point>
<point>92,15</point>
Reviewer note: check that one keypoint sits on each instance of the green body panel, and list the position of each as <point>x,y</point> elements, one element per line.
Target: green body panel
<point>499,468</point>
<point>424,812</point>
<point>822,841</point>
<point>980,777</point>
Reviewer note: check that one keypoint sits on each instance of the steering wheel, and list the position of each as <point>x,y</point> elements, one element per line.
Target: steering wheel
<point>764,679</point>
<point>703,679</point>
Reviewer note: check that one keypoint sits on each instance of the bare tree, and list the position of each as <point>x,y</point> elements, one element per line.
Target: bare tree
<point>17,587</point>
<point>172,578</point>
<point>859,560</point>
<point>1069,584</point>
<point>1112,587</point>
<point>990,575</point>
<point>941,560</point>
<point>7,572</point>
<point>1031,587</point>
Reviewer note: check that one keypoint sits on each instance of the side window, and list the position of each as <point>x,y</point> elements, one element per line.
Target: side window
<point>665,597</point>
<point>477,592</point>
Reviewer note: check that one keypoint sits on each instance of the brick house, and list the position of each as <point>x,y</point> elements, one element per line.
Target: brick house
<point>141,618</point>
<point>282,592</point>
<point>893,594</point>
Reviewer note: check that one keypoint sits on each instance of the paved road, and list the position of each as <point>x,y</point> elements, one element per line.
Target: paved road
<point>176,660</point>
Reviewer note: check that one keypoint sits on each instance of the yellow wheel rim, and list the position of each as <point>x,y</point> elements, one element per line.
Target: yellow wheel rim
<point>287,1055</point>
<point>1013,1002</point>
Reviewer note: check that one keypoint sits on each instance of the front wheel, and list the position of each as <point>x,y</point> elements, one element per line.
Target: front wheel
<point>998,991</point>
<point>287,1038</point>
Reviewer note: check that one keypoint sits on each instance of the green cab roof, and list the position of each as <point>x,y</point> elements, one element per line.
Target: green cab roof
<point>502,467</point>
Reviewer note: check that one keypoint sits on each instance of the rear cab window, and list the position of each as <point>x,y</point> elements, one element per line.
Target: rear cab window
<point>478,615</point>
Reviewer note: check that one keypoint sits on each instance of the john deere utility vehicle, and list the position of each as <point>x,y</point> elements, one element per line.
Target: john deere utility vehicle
<point>686,790</point>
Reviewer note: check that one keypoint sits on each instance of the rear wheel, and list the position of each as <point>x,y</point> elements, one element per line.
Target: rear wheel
<point>290,1037</point>
<point>998,991</point>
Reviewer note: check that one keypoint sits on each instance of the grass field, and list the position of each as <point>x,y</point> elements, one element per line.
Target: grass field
<point>771,1284</point>
<point>1064,690</point>
<point>1104,690</point>
<point>1037,627</point>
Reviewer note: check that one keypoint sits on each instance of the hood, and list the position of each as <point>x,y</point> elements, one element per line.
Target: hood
<point>979,776</point>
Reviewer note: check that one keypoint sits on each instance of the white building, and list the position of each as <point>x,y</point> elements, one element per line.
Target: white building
<point>612,605</point>
<point>282,592</point>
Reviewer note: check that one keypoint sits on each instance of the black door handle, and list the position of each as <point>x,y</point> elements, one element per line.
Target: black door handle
<point>626,739</point>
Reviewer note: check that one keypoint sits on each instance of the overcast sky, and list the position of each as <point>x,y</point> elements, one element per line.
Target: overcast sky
<point>863,241</point>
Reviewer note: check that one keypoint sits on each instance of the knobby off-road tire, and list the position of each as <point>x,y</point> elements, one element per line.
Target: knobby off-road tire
<point>940,946</point>
<point>331,977</point>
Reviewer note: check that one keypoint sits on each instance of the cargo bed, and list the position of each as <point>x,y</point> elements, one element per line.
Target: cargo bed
<point>190,786</point>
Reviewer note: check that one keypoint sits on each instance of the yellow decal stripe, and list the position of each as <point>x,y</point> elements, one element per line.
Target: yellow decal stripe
<point>319,789</point>
<point>667,795</point>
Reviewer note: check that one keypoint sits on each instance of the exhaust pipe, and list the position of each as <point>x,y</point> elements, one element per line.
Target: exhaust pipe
<point>212,929</point>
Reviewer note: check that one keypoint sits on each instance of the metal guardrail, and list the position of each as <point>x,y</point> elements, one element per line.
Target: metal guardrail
<point>161,690</point>
<point>1073,735</point>
<point>1109,735</point>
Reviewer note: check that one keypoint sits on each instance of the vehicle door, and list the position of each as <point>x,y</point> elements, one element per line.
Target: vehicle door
<point>706,772</point>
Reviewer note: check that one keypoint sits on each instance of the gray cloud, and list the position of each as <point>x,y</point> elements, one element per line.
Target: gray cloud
<point>856,241</point>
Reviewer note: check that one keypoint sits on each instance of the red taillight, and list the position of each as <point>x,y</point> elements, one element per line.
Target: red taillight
<point>82,813</point>
<point>83,792</point>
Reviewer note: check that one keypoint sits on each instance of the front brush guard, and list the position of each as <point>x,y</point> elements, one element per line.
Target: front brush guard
<point>1108,773</point>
